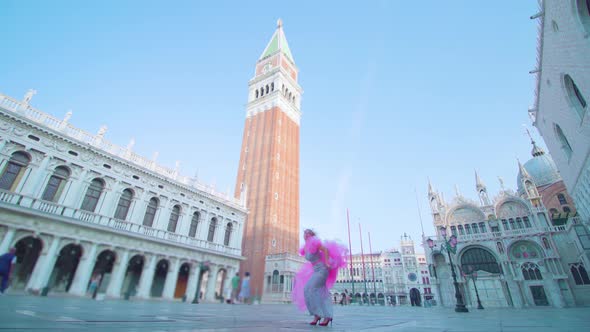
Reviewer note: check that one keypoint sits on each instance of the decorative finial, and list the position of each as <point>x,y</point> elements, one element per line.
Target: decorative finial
<point>279,23</point>
<point>501,182</point>
<point>457,190</point>
<point>29,95</point>
<point>101,131</point>
<point>131,144</point>
<point>68,116</point>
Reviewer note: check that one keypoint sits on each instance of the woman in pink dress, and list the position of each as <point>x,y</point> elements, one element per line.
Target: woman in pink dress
<point>315,278</point>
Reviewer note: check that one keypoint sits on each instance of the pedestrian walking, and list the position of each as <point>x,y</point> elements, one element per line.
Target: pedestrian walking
<point>245,289</point>
<point>94,282</point>
<point>7,262</point>
<point>235,287</point>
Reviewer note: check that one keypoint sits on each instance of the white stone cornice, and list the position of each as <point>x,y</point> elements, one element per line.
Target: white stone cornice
<point>264,104</point>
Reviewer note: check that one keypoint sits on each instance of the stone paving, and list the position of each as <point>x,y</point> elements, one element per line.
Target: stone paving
<point>32,313</point>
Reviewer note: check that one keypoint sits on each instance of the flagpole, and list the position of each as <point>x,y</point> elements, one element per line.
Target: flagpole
<point>372,267</point>
<point>350,253</point>
<point>363,258</point>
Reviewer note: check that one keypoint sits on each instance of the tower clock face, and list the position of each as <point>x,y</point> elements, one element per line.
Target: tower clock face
<point>412,276</point>
<point>267,67</point>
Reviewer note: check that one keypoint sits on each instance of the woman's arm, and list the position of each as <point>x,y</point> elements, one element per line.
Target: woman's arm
<point>326,256</point>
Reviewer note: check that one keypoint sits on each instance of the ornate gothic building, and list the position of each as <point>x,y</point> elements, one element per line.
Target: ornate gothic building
<point>395,276</point>
<point>520,255</point>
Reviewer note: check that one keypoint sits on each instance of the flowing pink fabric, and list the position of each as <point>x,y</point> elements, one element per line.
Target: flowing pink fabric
<point>337,259</point>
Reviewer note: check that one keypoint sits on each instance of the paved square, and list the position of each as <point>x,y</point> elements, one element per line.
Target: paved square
<point>29,313</point>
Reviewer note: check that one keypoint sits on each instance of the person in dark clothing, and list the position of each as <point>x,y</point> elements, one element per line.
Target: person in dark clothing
<point>6,262</point>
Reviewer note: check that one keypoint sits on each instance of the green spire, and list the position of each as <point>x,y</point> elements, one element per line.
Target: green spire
<point>278,42</point>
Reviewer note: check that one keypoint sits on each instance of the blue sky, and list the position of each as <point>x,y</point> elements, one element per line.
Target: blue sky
<point>394,92</point>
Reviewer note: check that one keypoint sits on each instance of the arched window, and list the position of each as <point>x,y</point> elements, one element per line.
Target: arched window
<point>565,144</point>
<point>482,227</point>
<point>527,223</point>
<point>500,247</point>
<point>461,231</point>
<point>566,209</point>
<point>92,195</point>
<point>579,274</point>
<point>479,259</point>
<point>474,228</point>
<point>261,91</point>
<point>192,232</point>
<point>267,89</point>
<point>511,223</point>
<point>275,281</point>
<point>212,226</point>
<point>519,223</point>
<point>467,229</point>
<point>173,218</point>
<point>55,184</point>
<point>576,98</point>
<point>505,224</point>
<point>454,230</point>
<point>272,86</point>
<point>553,211</point>
<point>14,170</point>
<point>561,198</point>
<point>530,271</point>
<point>150,212</point>
<point>124,204</point>
<point>228,229</point>
<point>256,93</point>
<point>546,243</point>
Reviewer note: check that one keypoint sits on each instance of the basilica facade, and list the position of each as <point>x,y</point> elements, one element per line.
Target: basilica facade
<point>78,208</point>
<point>510,251</point>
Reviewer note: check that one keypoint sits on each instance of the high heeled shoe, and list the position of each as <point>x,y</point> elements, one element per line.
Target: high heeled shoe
<point>315,321</point>
<point>326,322</point>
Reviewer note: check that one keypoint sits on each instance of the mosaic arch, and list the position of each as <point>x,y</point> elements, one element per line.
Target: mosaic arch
<point>475,258</point>
<point>525,250</point>
<point>465,213</point>
<point>512,208</point>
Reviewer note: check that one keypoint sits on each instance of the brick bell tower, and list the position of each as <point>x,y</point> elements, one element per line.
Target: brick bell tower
<point>268,173</point>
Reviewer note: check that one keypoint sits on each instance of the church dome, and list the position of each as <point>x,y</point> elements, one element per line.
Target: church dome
<point>541,168</point>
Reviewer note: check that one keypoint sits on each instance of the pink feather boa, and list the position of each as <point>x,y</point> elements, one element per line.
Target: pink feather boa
<point>337,260</point>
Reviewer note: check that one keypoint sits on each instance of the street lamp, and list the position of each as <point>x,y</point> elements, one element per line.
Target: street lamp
<point>473,276</point>
<point>450,245</point>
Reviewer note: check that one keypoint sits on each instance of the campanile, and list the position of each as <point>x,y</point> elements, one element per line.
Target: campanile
<point>268,172</point>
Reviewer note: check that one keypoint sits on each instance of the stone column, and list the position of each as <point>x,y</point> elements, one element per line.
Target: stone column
<point>118,275</point>
<point>139,208</point>
<point>193,279</point>
<point>515,292</point>
<point>76,193</point>
<point>163,215</point>
<point>554,293</point>
<point>147,278</point>
<point>43,267</point>
<point>83,272</point>
<point>7,240</point>
<point>110,199</point>
<point>171,279</point>
<point>33,184</point>
<point>210,289</point>
<point>203,228</point>
<point>227,282</point>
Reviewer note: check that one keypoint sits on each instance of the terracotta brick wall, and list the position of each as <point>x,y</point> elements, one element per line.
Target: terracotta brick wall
<point>269,167</point>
